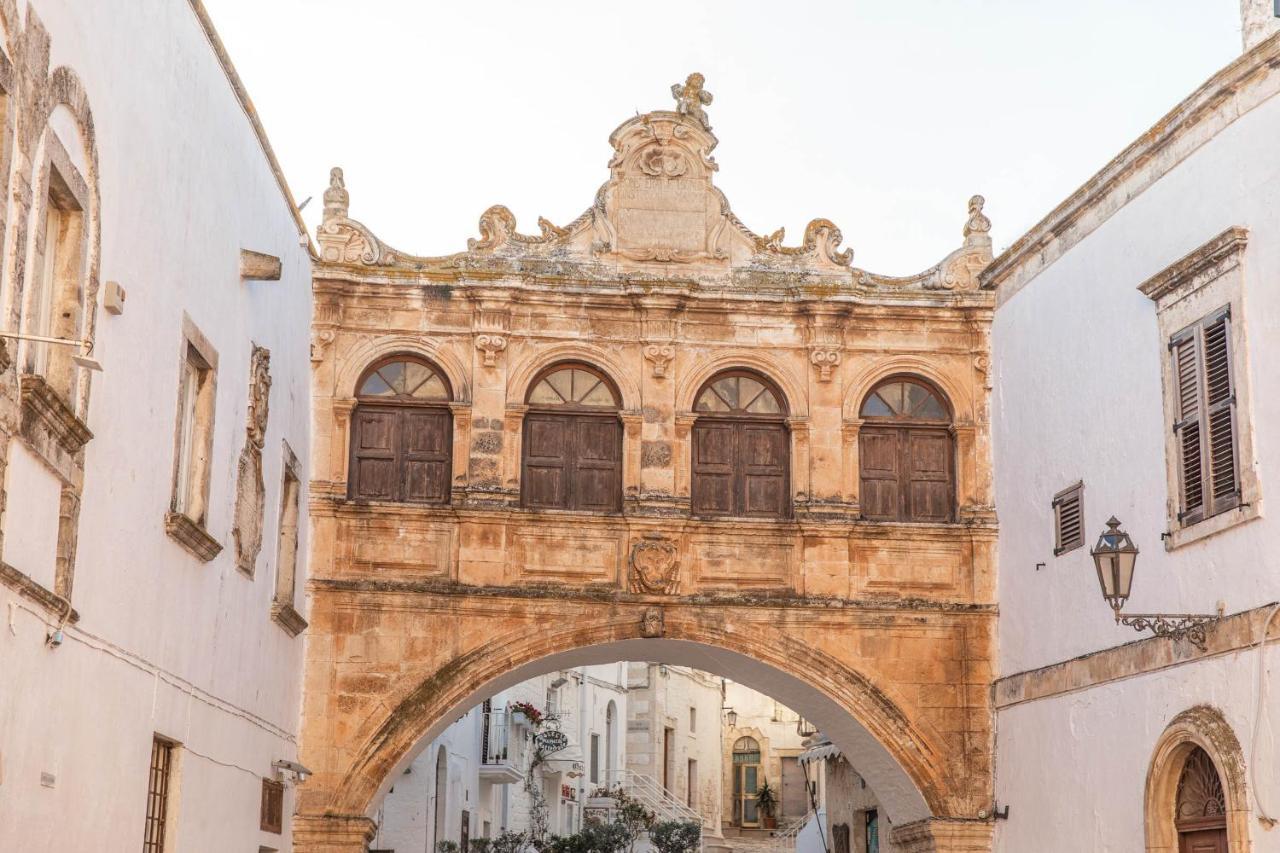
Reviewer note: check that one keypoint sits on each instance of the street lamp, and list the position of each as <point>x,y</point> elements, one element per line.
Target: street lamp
<point>1115,556</point>
<point>731,717</point>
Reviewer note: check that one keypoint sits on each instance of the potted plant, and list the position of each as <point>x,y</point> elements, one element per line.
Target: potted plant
<point>766,801</point>
<point>526,714</point>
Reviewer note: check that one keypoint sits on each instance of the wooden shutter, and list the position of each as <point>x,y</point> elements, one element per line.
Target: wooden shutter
<point>1204,425</point>
<point>373,453</point>
<point>879,459</point>
<point>596,460</point>
<point>1068,519</point>
<point>928,475</point>
<point>545,479</point>
<point>271,817</point>
<point>1220,407</point>
<point>426,455</point>
<point>762,450</point>
<point>714,454</point>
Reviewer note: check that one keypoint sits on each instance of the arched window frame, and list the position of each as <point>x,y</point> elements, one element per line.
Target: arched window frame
<point>723,480</point>
<point>396,423</point>
<point>906,463</point>
<point>572,453</point>
<point>746,764</point>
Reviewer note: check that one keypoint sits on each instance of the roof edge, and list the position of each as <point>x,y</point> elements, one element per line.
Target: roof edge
<point>1069,222</point>
<point>246,103</point>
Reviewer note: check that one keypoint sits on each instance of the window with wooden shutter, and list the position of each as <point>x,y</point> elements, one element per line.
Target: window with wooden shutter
<point>741,449</point>
<point>271,818</point>
<point>156,832</point>
<point>572,449</point>
<point>905,454</point>
<point>402,434</point>
<point>1068,519</point>
<point>1205,418</point>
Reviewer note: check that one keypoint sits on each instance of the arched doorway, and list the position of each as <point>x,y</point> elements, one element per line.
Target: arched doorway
<point>1200,812</point>
<point>440,815</point>
<point>1196,796</point>
<point>746,781</point>
<point>610,742</point>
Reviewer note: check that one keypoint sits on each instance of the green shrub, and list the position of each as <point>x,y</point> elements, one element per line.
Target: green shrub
<point>446,847</point>
<point>675,836</point>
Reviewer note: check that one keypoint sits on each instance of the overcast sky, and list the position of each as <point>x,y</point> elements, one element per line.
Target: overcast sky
<point>882,115</point>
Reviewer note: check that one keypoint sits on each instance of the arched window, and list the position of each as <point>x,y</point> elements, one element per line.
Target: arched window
<point>746,781</point>
<point>905,453</point>
<point>741,452</point>
<point>402,433</point>
<point>572,442</point>
<point>1201,808</point>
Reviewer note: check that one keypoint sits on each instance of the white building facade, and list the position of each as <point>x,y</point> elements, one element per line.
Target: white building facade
<point>762,745</point>
<point>1134,352</point>
<point>497,767</point>
<point>152,512</point>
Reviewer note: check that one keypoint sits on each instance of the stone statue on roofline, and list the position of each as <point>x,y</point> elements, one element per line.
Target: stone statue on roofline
<point>691,98</point>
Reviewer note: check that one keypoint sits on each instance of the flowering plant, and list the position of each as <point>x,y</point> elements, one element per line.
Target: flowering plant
<point>527,708</point>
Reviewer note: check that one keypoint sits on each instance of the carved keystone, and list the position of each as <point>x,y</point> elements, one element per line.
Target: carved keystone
<point>655,566</point>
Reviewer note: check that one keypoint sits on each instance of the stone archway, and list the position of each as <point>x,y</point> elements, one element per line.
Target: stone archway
<point>432,655</point>
<point>883,633</point>
<point>1205,728</point>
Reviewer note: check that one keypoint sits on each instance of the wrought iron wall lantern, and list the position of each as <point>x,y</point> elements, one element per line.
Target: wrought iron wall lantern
<point>1115,556</point>
<point>731,717</point>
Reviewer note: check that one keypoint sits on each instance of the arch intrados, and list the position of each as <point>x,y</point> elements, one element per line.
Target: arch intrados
<point>897,788</point>
<point>392,358</point>
<point>747,373</point>
<point>574,364</point>
<point>914,378</point>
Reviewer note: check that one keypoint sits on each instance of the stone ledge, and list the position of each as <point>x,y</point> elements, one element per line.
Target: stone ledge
<point>288,618</point>
<point>1140,657</point>
<point>943,835</point>
<point>37,592</point>
<point>191,536</point>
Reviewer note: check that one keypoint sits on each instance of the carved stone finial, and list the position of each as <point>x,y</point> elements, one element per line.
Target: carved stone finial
<point>337,201</point>
<point>691,98</point>
<point>977,228</point>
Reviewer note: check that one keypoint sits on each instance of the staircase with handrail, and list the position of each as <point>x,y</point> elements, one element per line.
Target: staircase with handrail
<point>654,797</point>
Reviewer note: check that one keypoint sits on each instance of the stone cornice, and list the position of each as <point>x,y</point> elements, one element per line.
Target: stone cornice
<point>1140,657</point>
<point>42,402</point>
<point>47,599</point>
<point>1228,95</point>
<point>1199,266</point>
<point>608,593</point>
<point>191,536</point>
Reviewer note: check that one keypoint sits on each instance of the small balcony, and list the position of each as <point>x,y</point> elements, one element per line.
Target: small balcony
<point>498,763</point>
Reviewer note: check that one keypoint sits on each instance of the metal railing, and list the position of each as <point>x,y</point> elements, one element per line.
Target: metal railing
<point>654,797</point>
<point>494,744</point>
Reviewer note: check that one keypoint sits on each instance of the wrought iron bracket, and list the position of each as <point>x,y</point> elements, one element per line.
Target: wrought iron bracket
<point>1188,626</point>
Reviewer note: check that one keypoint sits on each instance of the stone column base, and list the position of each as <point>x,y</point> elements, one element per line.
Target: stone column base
<point>939,835</point>
<point>332,833</point>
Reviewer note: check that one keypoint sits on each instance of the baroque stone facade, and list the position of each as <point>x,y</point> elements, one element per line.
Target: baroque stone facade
<point>657,290</point>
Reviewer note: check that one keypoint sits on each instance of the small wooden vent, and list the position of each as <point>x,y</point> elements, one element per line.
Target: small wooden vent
<point>1068,519</point>
<point>272,818</point>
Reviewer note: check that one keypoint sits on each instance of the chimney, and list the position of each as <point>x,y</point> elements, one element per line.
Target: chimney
<point>1259,20</point>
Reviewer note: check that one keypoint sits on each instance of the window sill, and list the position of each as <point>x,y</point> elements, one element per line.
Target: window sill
<point>288,618</point>
<point>46,598</point>
<point>1211,526</point>
<point>191,536</point>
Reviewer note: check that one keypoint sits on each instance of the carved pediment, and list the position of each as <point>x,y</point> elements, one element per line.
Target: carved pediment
<point>658,214</point>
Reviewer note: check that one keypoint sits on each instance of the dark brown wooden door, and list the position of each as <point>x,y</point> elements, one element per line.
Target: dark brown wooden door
<point>401,453</point>
<point>572,462</point>
<point>1203,841</point>
<point>907,473</point>
<point>740,468</point>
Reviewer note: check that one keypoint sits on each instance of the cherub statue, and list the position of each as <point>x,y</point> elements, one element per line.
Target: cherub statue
<point>691,97</point>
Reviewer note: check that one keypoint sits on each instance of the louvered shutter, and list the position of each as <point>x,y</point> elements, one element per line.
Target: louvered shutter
<point>1068,518</point>
<point>1185,352</point>
<point>1205,425</point>
<point>1220,419</point>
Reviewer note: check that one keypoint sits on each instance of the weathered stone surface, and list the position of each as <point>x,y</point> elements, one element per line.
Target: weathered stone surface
<point>659,286</point>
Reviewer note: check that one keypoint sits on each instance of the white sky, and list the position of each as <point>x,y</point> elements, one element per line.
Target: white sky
<point>882,115</point>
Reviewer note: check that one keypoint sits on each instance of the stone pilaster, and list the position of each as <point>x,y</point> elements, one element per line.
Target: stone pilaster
<point>940,835</point>
<point>332,833</point>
